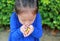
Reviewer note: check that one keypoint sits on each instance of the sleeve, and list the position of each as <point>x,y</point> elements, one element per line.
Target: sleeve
<point>37,33</point>
<point>14,29</point>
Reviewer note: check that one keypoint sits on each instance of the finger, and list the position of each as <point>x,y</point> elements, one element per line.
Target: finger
<point>27,25</point>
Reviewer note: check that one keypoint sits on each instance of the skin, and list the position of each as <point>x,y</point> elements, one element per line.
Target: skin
<point>26,17</point>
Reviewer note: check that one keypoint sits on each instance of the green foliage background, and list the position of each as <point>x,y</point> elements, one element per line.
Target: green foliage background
<point>49,10</point>
<point>6,8</point>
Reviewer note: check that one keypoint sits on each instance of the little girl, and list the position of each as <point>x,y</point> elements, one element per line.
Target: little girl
<point>25,23</point>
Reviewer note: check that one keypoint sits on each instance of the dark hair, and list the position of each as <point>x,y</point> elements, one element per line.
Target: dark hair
<point>24,3</point>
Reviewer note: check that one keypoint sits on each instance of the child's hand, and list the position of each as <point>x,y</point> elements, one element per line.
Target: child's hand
<point>23,28</point>
<point>28,31</point>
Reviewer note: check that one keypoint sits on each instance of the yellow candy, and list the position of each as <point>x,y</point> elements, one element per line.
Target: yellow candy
<point>27,30</point>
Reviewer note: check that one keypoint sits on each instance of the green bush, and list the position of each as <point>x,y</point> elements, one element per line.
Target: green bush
<point>6,8</point>
<point>49,10</point>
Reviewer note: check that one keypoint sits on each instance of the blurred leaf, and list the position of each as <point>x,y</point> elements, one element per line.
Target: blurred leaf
<point>45,1</point>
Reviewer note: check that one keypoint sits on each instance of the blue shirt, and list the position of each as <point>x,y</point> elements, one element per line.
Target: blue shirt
<point>16,34</point>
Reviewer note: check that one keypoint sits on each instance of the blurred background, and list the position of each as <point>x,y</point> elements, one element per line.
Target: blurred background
<point>50,13</point>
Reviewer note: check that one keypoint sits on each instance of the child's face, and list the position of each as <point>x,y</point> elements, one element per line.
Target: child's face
<point>27,15</point>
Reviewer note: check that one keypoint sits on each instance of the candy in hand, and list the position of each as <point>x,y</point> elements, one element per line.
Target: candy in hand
<point>28,31</point>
